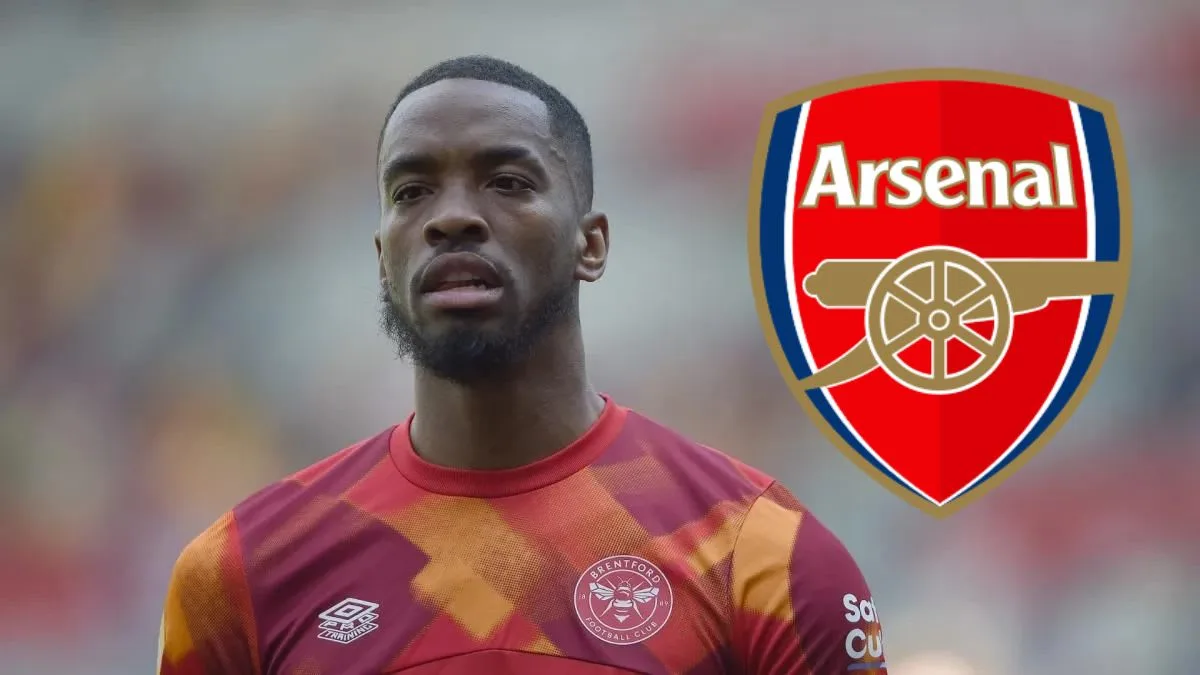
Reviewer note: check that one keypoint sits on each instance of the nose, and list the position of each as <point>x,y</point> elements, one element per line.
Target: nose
<point>456,219</point>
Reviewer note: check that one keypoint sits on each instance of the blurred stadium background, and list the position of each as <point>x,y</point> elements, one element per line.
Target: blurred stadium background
<point>188,297</point>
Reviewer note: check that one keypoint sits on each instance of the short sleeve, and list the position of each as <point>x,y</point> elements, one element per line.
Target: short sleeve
<point>801,604</point>
<point>207,623</point>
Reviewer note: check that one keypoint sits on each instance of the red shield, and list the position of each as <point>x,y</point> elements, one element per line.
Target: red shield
<point>940,260</point>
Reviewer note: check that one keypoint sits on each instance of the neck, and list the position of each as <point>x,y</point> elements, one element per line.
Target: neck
<point>511,421</point>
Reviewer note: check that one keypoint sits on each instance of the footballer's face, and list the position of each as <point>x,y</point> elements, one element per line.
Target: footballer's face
<point>481,244</point>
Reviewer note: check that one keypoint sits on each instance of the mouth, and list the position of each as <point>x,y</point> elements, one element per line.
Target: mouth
<point>461,281</point>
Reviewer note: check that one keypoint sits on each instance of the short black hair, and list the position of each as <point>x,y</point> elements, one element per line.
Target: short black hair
<point>566,123</point>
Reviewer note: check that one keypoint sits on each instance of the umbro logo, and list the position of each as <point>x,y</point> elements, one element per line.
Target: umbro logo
<point>348,620</point>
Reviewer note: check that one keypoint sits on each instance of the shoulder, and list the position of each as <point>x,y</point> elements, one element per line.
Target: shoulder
<point>207,619</point>
<point>218,559</point>
<point>323,481</point>
<point>695,464</point>
<point>798,594</point>
<point>210,559</point>
<point>771,523</point>
<point>781,534</point>
<point>213,554</point>
<point>673,484</point>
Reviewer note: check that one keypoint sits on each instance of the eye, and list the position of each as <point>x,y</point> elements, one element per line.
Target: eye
<point>408,193</point>
<point>510,184</point>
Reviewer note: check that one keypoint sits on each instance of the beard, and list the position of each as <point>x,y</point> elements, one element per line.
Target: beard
<point>466,354</point>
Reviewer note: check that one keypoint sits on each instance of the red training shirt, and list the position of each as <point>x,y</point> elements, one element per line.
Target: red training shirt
<point>633,550</point>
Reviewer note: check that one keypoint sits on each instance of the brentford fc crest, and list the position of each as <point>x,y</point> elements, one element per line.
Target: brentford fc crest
<point>940,259</point>
<point>623,600</point>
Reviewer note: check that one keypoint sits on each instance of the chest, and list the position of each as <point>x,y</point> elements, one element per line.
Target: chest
<point>475,597</point>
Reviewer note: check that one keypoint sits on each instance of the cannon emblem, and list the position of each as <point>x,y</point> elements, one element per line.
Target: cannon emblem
<point>935,293</point>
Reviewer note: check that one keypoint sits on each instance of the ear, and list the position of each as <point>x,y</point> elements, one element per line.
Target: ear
<point>379,256</point>
<point>593,247</point>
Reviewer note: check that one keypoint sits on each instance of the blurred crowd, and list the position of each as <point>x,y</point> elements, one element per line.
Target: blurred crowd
<point>188,301</point>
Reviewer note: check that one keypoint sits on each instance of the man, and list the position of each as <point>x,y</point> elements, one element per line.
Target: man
<point>518,521</point>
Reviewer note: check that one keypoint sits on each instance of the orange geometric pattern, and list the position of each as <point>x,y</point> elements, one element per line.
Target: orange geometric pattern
<point>208,623</point>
